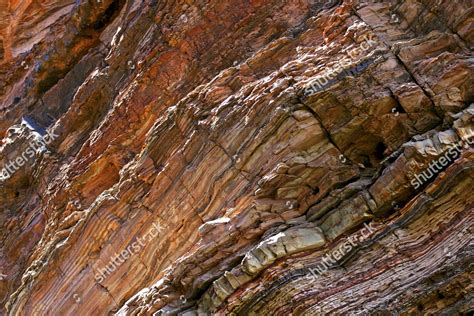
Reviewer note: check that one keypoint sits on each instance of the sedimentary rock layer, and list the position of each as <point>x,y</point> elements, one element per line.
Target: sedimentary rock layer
<point>236,157</point>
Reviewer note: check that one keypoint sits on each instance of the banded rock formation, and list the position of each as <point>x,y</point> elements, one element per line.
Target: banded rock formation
<point>165,158</point>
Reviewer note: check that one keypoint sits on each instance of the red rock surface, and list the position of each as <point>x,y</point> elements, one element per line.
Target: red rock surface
<point>188,158</point>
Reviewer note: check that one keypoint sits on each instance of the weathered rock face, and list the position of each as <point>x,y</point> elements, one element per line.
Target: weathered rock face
<point>236,157</point>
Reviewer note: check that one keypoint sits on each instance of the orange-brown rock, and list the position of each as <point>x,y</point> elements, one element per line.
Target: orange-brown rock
<point>236,157</point>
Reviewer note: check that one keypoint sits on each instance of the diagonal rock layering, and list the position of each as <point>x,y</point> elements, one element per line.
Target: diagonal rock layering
<point>192,117</point>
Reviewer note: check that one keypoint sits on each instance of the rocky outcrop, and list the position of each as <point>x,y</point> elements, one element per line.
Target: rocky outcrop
<point>236,157</point>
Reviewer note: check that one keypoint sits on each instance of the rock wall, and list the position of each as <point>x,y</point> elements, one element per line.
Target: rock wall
<point>233,157</point>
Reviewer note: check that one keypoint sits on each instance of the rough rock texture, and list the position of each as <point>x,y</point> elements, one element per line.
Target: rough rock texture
<point>184,140</point>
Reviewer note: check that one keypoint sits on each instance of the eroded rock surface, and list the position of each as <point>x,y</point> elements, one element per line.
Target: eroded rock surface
<point>236,157</point>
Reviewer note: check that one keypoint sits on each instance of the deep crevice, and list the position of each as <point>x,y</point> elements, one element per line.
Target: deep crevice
<point>90,33</point>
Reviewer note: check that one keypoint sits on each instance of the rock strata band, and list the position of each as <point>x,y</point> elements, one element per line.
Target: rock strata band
<point>342,68</point>
<point>331,259</point>
<point>14,165</point>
